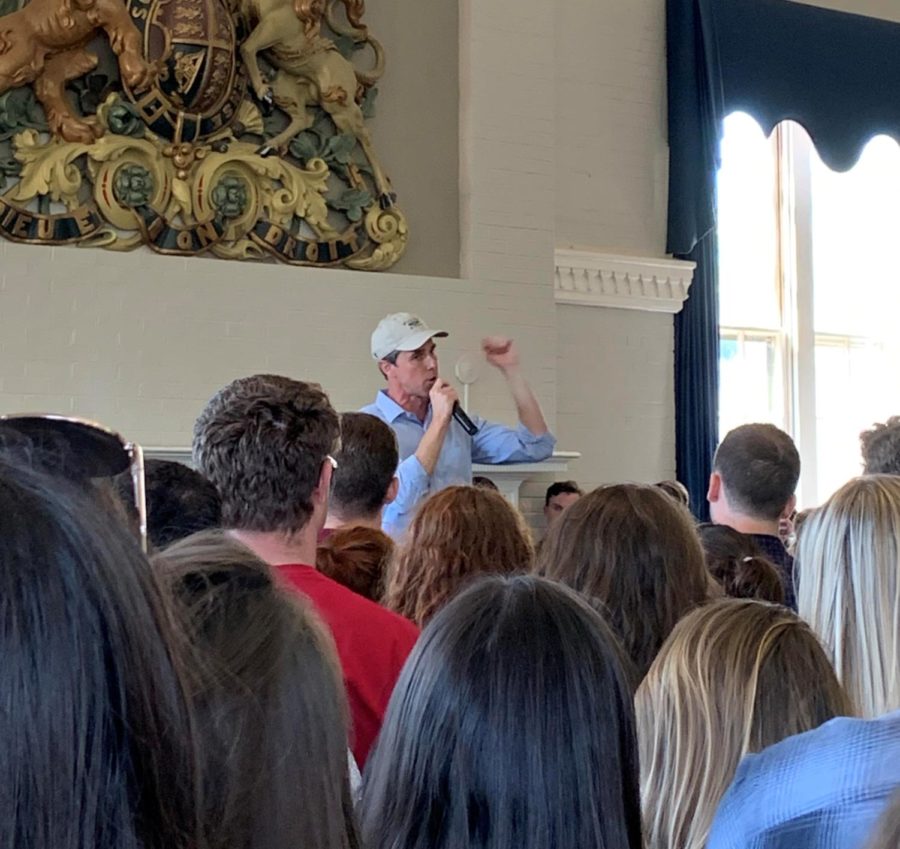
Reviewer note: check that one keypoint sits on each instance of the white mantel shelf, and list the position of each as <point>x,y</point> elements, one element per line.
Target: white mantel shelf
<point>594,279</point>
<point>509,478</point>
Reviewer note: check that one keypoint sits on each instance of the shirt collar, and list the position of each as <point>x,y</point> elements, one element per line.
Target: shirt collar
<point>390,408</point>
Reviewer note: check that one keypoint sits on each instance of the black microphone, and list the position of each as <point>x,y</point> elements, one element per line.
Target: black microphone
<point>467,424</point>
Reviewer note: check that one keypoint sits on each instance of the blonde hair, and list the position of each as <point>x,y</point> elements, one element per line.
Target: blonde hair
<point>848,560</point>
<point>735,676</point>
<point>458,533</point>
<point>887,830</point>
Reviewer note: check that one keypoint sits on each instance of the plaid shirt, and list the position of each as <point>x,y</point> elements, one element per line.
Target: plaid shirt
<point>774,550</point>
<point>821,790</point>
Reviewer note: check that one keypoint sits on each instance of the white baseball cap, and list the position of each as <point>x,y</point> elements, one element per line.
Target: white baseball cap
<point>401,331</point>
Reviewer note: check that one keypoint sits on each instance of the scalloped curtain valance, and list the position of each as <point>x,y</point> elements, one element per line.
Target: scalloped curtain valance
<point>836,73</point>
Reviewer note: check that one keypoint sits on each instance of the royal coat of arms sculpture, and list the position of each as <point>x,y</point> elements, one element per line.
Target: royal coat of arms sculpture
<point>235,128</point>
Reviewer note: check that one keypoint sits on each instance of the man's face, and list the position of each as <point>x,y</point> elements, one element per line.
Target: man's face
<point>415,372</point>
<point>558,504</point>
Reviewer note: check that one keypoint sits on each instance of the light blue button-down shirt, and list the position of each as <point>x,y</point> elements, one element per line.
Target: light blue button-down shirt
<point>824,789</point>
<point>494,443</point>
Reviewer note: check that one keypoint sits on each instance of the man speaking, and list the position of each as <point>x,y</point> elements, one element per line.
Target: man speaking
<point>436,447</point>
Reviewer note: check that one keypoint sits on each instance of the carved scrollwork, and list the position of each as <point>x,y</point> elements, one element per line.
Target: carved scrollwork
<point>242,141</point>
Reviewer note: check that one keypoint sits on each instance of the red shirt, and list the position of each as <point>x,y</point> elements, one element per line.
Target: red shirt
<point>372,643</point>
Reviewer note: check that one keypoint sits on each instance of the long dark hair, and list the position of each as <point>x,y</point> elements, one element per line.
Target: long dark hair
<point>95,734</point>
<point>511,727</point>
<point>269,700</point>
<point>633,549</point>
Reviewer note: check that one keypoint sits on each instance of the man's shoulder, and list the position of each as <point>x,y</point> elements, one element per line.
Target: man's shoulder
<point>373,409</point>
<point>773,548</point>
<point>338,602</point>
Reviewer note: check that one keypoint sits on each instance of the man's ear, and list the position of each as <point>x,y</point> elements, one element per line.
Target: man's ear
<point>714,493</point>
<point>392,490</point>
<point>383,366</point>
<point>789,508</point>
<point>323,486</point>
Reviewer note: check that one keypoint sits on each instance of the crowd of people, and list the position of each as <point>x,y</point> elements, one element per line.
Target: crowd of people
<point>286,669</point>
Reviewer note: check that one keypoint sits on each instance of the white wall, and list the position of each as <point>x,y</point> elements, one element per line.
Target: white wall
<point>614,367</point>
<point>560,133</point>
<point>610,126</point>
<point>416,126</point>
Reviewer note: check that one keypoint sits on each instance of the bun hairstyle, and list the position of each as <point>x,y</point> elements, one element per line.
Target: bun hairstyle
<point>752,577</point>
<point>738,565</point>
<point>357,557</point>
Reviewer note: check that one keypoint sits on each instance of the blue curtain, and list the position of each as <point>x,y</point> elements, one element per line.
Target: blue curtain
<point>835,73</point>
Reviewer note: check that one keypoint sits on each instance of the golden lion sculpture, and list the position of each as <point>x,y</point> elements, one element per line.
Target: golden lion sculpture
<point>44,44</point>
<point>311,70</point>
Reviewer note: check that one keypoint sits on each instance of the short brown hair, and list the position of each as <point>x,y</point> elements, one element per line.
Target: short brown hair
<point>759,466</point>
<point>634,550</point>
<point>261,441</point>
<point>457,534</point>
<point>881,448</point>
<point>367,463</point>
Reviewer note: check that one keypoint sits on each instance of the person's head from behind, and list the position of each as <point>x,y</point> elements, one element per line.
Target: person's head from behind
<point>676,490</point>
<point>359,557</point>
<point>484,483</point>
<point>180,501</point>
<point>265,442</point>
<point>633,549</point>
<point>364,480</point>
<point>457,534</point>
<point>268,698</point>
<point>755,472</point>
<point>560,496</point>
<point>735,676</point>
<point>95,728</point>
<point>848,564</point>
<point>738,565</point>
<point>881,448</point>
<point>511,727</point>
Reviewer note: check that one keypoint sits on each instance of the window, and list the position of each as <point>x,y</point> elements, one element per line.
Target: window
<point>809,290</point>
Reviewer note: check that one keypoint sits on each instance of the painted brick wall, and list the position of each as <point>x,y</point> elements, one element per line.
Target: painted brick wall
<point>611,126</point>
<point>616,394</point>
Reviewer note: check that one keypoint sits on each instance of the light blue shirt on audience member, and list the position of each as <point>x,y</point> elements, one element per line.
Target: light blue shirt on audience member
<point>494,443</point>
<point>824,789</point>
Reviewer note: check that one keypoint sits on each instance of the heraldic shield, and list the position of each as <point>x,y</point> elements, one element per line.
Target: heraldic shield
<point>232,128</point>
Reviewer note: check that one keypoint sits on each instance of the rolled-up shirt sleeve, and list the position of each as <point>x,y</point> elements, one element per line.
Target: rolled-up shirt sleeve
<point>496,444</point>
<point>414,483</point>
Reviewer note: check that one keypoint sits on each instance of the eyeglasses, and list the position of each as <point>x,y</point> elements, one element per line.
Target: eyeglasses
<point>334,463</point>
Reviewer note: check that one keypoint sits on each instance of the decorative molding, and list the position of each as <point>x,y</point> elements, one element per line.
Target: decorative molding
<point>593,279</point>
